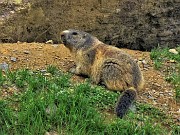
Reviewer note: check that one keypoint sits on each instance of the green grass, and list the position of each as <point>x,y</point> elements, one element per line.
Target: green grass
<point>161,56</point>
<point>2,78</point>
<point>52,103</point>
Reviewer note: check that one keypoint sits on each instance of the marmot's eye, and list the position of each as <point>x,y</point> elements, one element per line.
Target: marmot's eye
<point>74,33</point>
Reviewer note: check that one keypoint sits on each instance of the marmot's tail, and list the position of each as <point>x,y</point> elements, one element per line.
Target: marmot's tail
<point>125,101</point>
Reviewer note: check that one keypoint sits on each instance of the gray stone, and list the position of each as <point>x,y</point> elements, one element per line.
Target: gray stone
<point>26,52</point>
<point>4,66</point>
<point>49,42</point>
<point>13,59</point>
<point>173,51</point>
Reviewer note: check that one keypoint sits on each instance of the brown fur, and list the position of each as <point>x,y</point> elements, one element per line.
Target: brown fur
<point>106,64</point>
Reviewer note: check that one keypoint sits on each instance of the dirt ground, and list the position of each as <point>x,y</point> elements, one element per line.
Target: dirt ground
<point>139,25</point>
<point>157,91</point>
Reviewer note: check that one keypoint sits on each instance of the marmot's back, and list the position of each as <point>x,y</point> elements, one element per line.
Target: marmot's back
<point>118,70</point>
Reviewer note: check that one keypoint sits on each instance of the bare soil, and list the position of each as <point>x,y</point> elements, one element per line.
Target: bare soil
<point>37,56</point>
<point>140,25</point>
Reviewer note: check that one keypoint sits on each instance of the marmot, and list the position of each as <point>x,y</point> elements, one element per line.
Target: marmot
<point>105,64</point>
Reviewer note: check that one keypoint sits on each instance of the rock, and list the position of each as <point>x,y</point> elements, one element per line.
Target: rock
<point>144,62</point>
<point>4,66</point>
<point>146,69</point>
<point>172,61</point>
<point>26,52</point>
<point>173,51</point>
<point>51,109</point>
<point>51,133</point>
<point>13,59</point>
<point>43,71</point>
<point>12,12</point>
<point>49,42</point>
<point>71,60</point>
<point>19,42</point>
<point>47,74</point>
<point>55,45</point>
<point>140,58</point>
<point>154,102</point>
<point>133,108</point>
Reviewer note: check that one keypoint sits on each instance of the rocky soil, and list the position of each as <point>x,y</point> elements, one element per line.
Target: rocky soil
<point>138,24</point>
<point>38,56</point>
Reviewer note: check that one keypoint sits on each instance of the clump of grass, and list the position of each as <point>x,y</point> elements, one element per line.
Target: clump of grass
<point>174,78</point>
<point>163,54</point>
<point>52,103</point>
<point>175,130</point>
<point>159,56</point>
<point>151,111</point>
<point>2,78</point>
<point>52,69</point>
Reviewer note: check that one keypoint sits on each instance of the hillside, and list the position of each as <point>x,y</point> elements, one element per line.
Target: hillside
<point>38,56</point>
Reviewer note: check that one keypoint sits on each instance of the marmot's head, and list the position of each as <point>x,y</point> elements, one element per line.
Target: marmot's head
<point>75,39</point>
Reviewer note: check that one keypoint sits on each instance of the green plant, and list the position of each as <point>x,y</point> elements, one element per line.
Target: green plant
<point>157,64</point>
<point>54,104</point>
<point>160,56</point>
<point>52,69</point>
<point>2,78</point>
<point>6,117</point>
<point>176,130</point>
<point>150,111</point>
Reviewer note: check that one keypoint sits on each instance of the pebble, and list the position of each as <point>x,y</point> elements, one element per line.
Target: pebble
<point>19,42</point>
<point>51,133</point>
<point>71,60</point>
<point>146,69</point>
<point>154,102</point>
<point>13,59</point>
<point>43,71</point>
<point>146,66</point>
<point>156,84</point>
<point>172,61</point>
<point>4,66</point>
<point>139,63</point>
<point>140,59</point>
<point>47,74</point>
<point>144,62</point>
<point>55,45</point>
<point>173,51</point>
<point>49,42</point>
<point>26,52</point>
<point>178,111</point>
<point>12,12</point>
